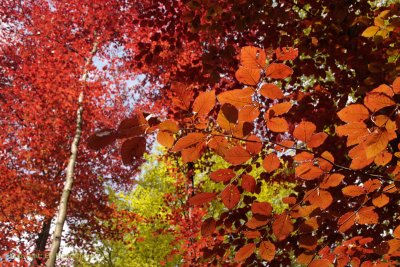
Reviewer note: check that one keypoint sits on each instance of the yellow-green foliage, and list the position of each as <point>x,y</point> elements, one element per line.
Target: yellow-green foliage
<point>146,248</point>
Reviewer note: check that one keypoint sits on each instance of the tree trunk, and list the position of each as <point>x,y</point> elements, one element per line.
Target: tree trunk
<point>69,179</point>
<point>41,241</point>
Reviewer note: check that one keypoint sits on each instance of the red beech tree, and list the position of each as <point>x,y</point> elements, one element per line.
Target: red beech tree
<point>47,49</point>
<point>322,113</point>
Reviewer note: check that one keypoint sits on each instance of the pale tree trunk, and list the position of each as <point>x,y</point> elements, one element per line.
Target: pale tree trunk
<point>69,179</point>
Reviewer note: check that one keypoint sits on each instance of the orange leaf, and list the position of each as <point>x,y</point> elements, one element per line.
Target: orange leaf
<point>267,250</point>
<point>188,140</point>
<point>304,131</point>
<point>253,145</point>
<point>169,126</point>
<point>346,221</point>
<point>166,139</point>
<point>320,198</point>
<point>372,185</point>
<point>278,71</point>
<point>353,191</point>
<point>248,113</point>
<point>248,183</point>
<point>303,156</point>
<point>256,222</point>
<point>332,180</point>
<point>237,155</point>
<point>376,142</point>
<point>396,85</point>
<point>320,263</point>
<point>271,162</point>
<point>325,161</point>
<point>238,97</point>
<point>253,57</point>
<point>367,215</point>
<point>282,226</point>
<point>380,201</point>
<point>262,208</point>
<point>208,227</point>
<point>383,158</point>
<point>377,101</point>
<point>202,198</point>
<point>286,53</point>
<point>383,88</point>
<point>245,252</point>
<point>192,153</point>
<point>354,113</point>
<point>284,145</point>
<point>271,91</point>
<point>308,171</point>
<point>248,76</point>
<point>252,234</point>
<point>222,175</point>
<point>316,140</point>
<point>396,232</point>
<point>281,108</point>
<point>204,103</point>
<point>278,125</point>
<point>230,196</point>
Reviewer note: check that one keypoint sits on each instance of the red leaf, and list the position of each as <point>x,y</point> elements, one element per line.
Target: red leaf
<point>237,155</point>
<point>262,208</point>
<point>267,250</point>
<point>278,71</point>
<point>208,227</point>
<point>201,198</point>
<point>134,126</point>
<point>282,226</point>
<point>230,196</point>
<point>132,149</point>
<point>204,103</point>
<point>245,252</point>
<point>230,112</point>
<point>248,183</point>
<point>222,175</point>
<point>271,162</point>
<point>101,139</point>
